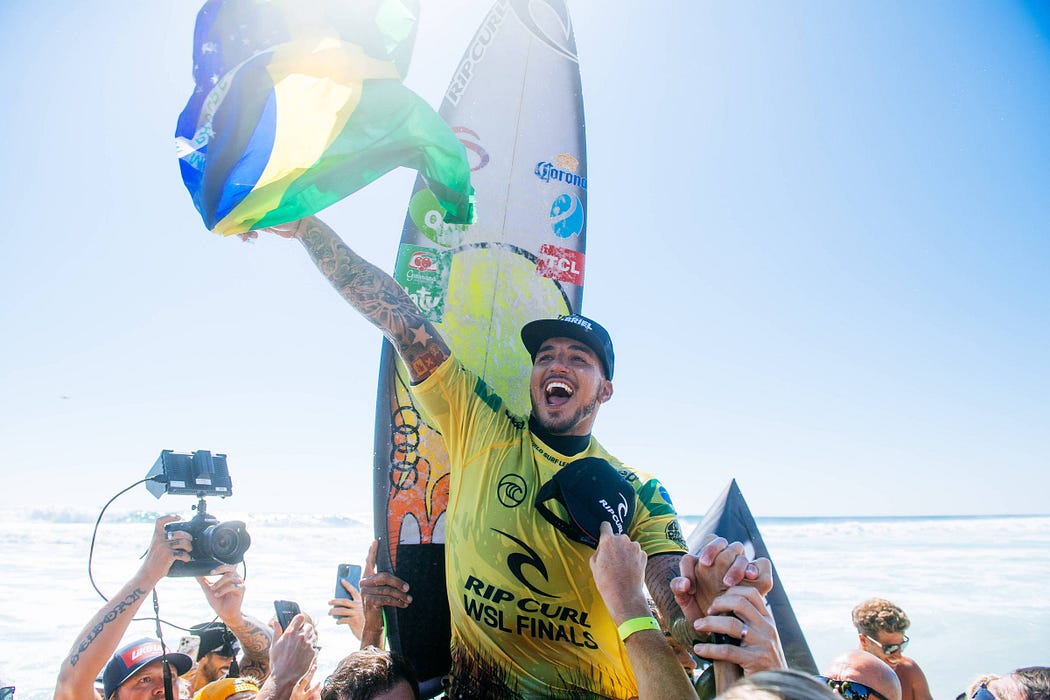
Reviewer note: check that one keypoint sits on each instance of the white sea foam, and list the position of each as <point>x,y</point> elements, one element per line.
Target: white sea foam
<point>975,588</point>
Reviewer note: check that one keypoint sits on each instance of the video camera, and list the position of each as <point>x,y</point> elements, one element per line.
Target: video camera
<point>200,474</point>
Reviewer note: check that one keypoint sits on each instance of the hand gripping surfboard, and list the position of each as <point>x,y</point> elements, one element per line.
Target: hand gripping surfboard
<point>730,517</point>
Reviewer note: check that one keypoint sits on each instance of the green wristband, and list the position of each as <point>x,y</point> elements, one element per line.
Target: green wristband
<point>637,624</point>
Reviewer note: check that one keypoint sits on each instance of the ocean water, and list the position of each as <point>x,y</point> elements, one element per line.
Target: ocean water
<point>976,588</point>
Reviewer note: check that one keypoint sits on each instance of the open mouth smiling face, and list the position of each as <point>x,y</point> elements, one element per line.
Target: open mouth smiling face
<point>557,392</point>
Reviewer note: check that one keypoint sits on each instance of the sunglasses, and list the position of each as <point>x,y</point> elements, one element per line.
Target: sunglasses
<point>851,690</point>
<point>7,692</point>
<point>888,649</point>
<point>982,693</point>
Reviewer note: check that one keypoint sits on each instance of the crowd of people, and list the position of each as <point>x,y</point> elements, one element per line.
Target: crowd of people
<point>236,657</point>
<point>641,617</point>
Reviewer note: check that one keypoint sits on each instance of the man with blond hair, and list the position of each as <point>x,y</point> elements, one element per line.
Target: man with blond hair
<point>880,630</point>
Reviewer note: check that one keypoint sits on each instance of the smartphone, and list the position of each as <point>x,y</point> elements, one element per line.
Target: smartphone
<point>348,572</point>
<point>189,645</point>
<point>286,610</point>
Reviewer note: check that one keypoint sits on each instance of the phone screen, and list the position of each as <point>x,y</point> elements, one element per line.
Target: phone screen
<point>351,573</point>
<point>286,610</point>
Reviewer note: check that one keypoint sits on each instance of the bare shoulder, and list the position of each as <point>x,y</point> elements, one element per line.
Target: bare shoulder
<point>908,667</point>
<point>913,681</point>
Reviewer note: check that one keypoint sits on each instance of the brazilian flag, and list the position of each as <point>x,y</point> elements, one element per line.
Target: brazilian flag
<point>299,103</point>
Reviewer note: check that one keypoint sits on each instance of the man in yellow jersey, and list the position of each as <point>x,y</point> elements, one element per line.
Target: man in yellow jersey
<point>527,619</point>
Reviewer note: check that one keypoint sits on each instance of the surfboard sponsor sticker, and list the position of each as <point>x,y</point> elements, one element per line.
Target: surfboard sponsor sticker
<point>476,153</point>
<point>560,264</point>
<point>476,53</point>
<point>429,218</point>
<point>423,272</point>
<point>567,216</point>
<point>564,168</point>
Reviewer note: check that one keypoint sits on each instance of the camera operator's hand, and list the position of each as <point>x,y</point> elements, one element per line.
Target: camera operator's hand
<point>226,594</point>
<point>164,549</point>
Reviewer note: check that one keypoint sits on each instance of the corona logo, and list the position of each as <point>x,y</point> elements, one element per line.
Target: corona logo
<point>559,172</point>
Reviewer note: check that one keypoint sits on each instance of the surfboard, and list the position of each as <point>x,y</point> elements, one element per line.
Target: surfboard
<point>515,100</point>
<point>730,517</point>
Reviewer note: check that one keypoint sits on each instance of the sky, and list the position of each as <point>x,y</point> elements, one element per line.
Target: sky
<point>818,234</point>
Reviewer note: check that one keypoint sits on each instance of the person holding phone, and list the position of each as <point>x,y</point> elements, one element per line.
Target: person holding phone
<point>359,600</point>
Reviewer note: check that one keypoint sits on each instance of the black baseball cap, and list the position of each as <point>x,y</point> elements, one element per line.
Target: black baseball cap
<point>591,491</point>
<point>131,658</point>
<point>573,326</point>
<point>215,636</point>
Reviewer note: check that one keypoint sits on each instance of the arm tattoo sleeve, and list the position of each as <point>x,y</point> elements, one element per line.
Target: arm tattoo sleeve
<point>658,574</point>
<point>116,611</point>
<point>255,641</point>
<point>379,298</point>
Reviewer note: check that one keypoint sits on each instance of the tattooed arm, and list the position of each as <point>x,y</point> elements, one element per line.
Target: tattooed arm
<point>101,636</point>
<point>374,293</point>
<point>226,596</point>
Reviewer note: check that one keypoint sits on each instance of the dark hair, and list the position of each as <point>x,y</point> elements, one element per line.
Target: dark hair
<point>1036,682</point>
<point>366,673</point>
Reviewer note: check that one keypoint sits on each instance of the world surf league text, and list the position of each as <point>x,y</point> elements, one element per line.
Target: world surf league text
<point>539,620</point>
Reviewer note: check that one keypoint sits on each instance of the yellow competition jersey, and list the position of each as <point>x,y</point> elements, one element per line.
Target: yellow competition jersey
<point>527,620</point>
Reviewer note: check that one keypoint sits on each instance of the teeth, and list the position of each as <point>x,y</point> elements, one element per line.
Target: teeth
<point>555,385</point>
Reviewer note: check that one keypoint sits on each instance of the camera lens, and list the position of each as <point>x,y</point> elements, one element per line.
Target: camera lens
<point>226,542</point>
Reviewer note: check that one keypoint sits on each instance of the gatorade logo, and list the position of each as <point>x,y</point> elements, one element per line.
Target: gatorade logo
<point>567,216</point>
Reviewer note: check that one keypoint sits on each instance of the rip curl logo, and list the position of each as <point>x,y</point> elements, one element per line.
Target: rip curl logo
<point>511,490</point>
<point>517,561</point>
<point>549,22</point>
<point>618,515</point>
<point>476,53</point>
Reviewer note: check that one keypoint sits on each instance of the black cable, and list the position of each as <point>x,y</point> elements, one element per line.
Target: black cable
<point>94,533</point>
<point>169,692</point>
